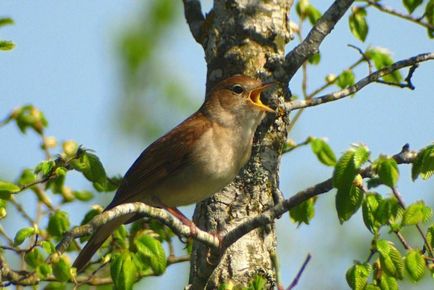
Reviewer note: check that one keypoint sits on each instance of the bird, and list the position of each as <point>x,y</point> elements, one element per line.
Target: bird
<point>194,160</point>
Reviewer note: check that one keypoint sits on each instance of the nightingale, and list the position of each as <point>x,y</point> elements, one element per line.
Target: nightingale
<point>197,158</point>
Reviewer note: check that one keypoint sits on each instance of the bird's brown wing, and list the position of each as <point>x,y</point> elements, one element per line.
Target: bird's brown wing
<point>161,159</point>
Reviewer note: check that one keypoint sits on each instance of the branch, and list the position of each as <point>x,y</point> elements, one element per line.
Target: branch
<point>195,19</point>
<point>404,157</point>
<point>139,208</point>
<point>393,12</point>
<point>310,45</point>
<point>374,77</point>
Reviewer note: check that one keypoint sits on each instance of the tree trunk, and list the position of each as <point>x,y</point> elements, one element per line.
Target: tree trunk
<point>245,37</point>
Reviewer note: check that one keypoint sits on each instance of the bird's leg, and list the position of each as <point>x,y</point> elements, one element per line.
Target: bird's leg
<point>179,215</point>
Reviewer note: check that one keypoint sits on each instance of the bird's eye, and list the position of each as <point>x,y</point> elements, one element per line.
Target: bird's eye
<point>238,89</point>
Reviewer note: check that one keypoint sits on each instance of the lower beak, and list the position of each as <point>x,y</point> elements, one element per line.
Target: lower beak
<point>255,97</point>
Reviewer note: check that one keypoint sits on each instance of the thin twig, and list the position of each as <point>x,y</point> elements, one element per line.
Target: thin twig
<point>299,104</point>
<point>393,12</point>
<point>297,278</point>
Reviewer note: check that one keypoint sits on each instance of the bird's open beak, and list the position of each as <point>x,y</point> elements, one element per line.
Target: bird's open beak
<point>255,96</point>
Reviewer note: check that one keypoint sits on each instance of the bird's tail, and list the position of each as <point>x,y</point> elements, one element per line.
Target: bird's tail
<point>97,239</point>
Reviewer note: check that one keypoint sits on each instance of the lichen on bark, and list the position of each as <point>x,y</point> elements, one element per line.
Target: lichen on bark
<point>244,37</point>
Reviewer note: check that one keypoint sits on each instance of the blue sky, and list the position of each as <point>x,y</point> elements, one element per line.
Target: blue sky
<point>65,63</point>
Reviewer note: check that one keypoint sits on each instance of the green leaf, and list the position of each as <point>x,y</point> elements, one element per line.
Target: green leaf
<point>382,58</point>
<point>323,151</point>
<point>48,247</point>
<point>27,177</point>
<point>45,167</point>
<point>357,276</point>
<point>387,170</point>
<point>43,271</point>
<point>7,188</point>
<point>416,213</point>
<point>372,287</point>
<point>423,165</point>
<point>370,206</point>
<point>389,211</point>
<point>301,8</point>
<point>62,269</point>
<point>429,15</point>
<point>388,283</point>
<point>56,286</point>
<point>415,265</point>
<point>314,59</point>
<point>304,212</point>
<point>6,21</point>
<point>92,168</point>
<point>58,223</point>
<point>258,283</point>
<point>358,24</point>
<point>313,14</point>
<point>30,117</point>
<point>83,195</point>
<point>23,234</point>
<point>348,165</point>
<point>6,45</point>
<point>123,271</point>
<point>390,259</point>
<point>151,252</point>
<point>34,258</point>
<point>411,5</point>
<point>348,202</point>
<point>430,236</point>
<point>345,79</point>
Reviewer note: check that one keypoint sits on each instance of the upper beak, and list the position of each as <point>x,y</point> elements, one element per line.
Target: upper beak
<point>255,96</point>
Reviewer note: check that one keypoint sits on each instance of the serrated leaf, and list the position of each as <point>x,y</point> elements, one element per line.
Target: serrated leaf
<point>390,259</point>
<point>416,213</point>
<point>348,202</point>
<point>48,247</point>
<point>45,167</point>
<point>23,234</point>
<point>348,165</point>
<point>304,212</point>
<point>150,251</point>
<point>62,269</point>
<point>345,79</point>
<point>423,165</point>
<point>27,177</point>
<point>258,283</point>
<point>388,211</point>
<point>323,151</point>
<point>388,283</point>
<point>415,265</point>
<point>411,5</point>
<point>370,204</point>
<point>123,271</point>
<point>357,276</point>
<point>372,287</point>
<point>387,170</point>
<point>58,223</point>
<point>430,236</point>
<point>358,24</point>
